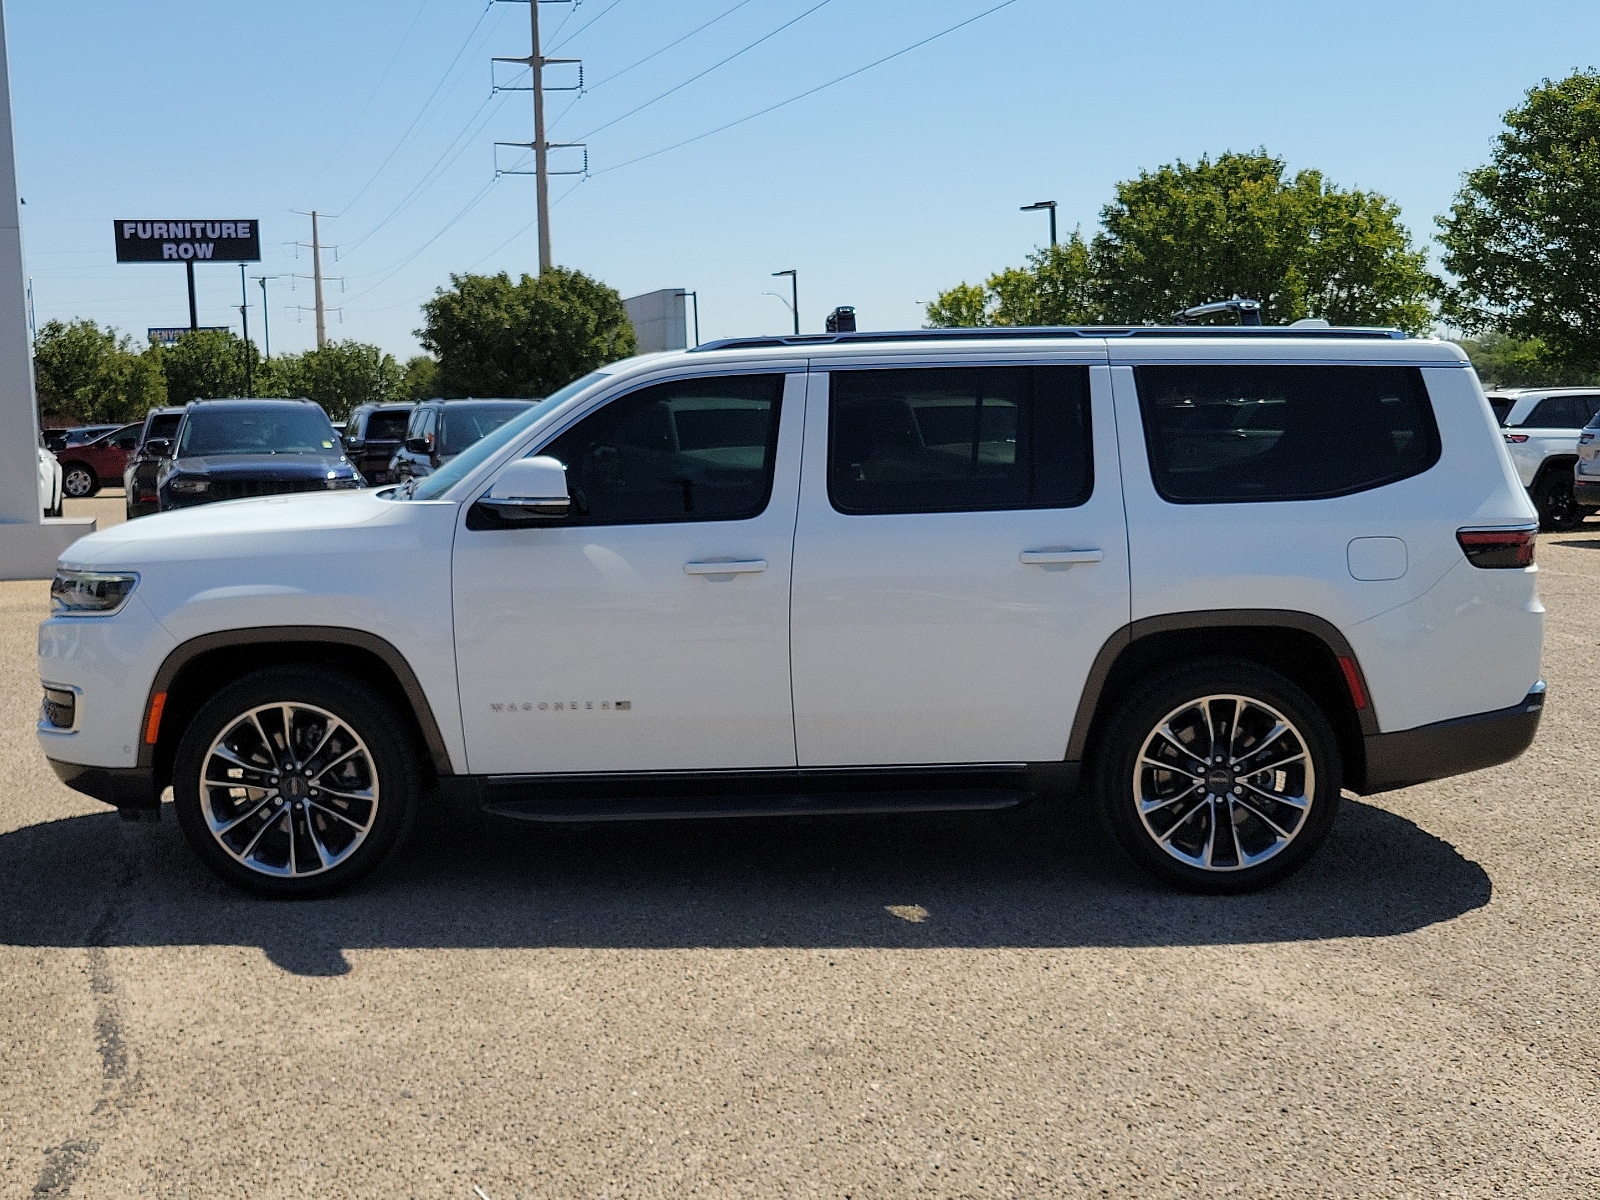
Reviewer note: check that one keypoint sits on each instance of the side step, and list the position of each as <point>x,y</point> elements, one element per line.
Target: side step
<point>715,794</point>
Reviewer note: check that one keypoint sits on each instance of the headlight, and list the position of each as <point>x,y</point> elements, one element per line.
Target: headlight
<point>191,486</point>
<point>86,593</point>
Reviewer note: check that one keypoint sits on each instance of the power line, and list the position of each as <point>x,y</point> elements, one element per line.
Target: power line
<point>371,96</point>
<point>582,29</point>
<point>668,46</point>
<point>714,66</point>
<point>434,173</point>
<point>383,166</point>
<point>450,224</point>
<point>808,92</point>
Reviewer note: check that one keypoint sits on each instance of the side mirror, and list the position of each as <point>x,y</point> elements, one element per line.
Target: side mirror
<point>158,447</point>
<point>530,489</point>
<point>354,443</point>
<point>418,445</point>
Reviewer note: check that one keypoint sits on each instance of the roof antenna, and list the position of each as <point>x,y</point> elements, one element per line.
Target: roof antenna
<point>1248,311</point>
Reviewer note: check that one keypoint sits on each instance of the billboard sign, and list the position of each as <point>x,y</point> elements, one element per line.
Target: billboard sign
<point>168,335</point>
<point>188,241</point>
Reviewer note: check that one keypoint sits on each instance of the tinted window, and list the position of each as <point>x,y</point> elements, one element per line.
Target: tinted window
<point>387,426</point>
<point>464,425</point>
<point>1588,406</point>
<point>950,439</point>
<point>692,450</point>
<point>1558,412</point>
<point>164,426</point>
<point>1218,434</point>
<point>297,429</point>
<point>1501,406</point>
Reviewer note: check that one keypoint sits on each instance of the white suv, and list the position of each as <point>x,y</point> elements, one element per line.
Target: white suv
<point>1219,574</point>
<point>1542,426</point>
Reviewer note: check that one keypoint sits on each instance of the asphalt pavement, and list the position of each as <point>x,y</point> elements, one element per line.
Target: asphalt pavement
<point>973,1007</point>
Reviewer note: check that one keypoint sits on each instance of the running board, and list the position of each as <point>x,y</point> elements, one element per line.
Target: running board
<point>792,793</point>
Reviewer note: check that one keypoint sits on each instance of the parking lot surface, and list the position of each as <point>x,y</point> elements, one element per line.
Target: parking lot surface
<point>970,1007</point>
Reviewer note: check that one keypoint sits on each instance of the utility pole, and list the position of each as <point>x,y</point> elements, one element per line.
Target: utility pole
<point>194,312</point>
<point>244,321</point>
<point>316,247</point>
<point>1044,204</point>
<point>536,63</point>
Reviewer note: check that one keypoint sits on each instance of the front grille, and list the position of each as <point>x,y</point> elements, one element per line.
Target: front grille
<point>238,489</point>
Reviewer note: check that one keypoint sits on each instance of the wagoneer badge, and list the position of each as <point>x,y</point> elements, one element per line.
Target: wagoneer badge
<point>563,706</point>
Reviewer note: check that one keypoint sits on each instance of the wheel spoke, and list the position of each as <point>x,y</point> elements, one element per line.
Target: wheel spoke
<point>1276,732</point>
<point>1165,732</point>
<point>1299,802</point>
<point>244,855</point>
<point>219,830</point>
<point>227,755</point>
<point>1262,817</point>
<point>358,749</point>
<point>337,816</point>
<point>1161,766</point>
<point>272,751</point>
<point>1150,806</point>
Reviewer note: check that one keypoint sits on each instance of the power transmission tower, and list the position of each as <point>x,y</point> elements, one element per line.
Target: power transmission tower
<point>316,247</point>
<point>536,63</point>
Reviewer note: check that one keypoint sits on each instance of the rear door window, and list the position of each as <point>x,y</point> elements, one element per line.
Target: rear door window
<point>1557,412</point>
<point>958,439</point>
<point>1219,434</point>
<point>386,426</point>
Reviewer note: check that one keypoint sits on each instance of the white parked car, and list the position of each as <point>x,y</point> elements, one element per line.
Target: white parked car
<point>1542,426</point>
<point>49,483</point>
<point>1213,576</point>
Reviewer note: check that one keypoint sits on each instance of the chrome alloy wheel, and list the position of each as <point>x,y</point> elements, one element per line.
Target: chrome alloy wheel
<point>289,790</point>
<point>1224,783</point>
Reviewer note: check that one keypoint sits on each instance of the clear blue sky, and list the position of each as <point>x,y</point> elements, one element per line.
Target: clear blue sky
<point>880,191</point>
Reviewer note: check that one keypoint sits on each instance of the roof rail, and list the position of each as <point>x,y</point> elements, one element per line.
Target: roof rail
<point>1034,332</point>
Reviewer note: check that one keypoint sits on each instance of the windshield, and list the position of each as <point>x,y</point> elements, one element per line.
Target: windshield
<point>463,464</point>
<point>297,429</point>
<point>461,426</point>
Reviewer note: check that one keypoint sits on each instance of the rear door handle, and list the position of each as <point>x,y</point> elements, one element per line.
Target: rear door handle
<point>744,566</point>
<point>1059,558</point>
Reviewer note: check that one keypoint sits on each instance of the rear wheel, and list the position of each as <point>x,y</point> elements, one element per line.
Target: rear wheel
<point>1559,510</point>
<point>78,480</point>
<point>295,781</point>
<point>1218,776</point>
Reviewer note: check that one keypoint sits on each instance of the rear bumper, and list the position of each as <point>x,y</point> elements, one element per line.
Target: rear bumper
<point>1587,492</point>
<point>132,789</point>
<point>1396,760</point>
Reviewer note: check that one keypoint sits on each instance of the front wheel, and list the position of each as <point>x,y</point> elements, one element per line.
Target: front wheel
<point>1559,510</point>
<point>1218,776</point>
<point>295,781</point>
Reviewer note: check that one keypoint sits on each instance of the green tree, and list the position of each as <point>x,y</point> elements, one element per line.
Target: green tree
<point>1505,362</point>
<point>89,374</point>
<point>1523,236</point>
<point>1055,288</point>
<point>341,375</point>
<point>204,364</point>
<point>419,378</point>
<point>493,337</point>
<point>1183,235</point>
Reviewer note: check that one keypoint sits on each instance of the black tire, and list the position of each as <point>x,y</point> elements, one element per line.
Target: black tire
<point>1122,783</point>
<point>383,757</point>
<point>79,481</point>
<point>1559,510</point>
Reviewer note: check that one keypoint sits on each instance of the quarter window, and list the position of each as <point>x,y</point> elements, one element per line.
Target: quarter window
<point>955,439</point>
<point>691,450</point>
<point>1224,434</point>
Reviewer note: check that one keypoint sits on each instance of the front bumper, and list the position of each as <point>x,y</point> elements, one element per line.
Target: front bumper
<point>129,789</point>
<point>1454,747</point>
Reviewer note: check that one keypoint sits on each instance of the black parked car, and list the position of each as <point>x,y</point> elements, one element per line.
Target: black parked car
<point>442,429</point>
<point>139,475</point>
<point>373,434</point>
<point>229,449</point>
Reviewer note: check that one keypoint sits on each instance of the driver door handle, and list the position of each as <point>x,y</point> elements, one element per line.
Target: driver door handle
<point>1059,558</point>
<point>744,566</point>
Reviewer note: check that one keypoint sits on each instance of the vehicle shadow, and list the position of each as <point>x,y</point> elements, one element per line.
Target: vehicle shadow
<point>1011,880</point>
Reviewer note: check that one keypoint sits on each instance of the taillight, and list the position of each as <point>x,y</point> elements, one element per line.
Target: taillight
<point>1516,438</point>
<point>1502,548</point>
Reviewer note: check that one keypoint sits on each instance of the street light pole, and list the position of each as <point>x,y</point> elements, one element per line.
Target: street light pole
<point>695,296</point>
<point>244,321</point>
<point>794,291</point>
<point>266,325</point>
<point>1049,204</point>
